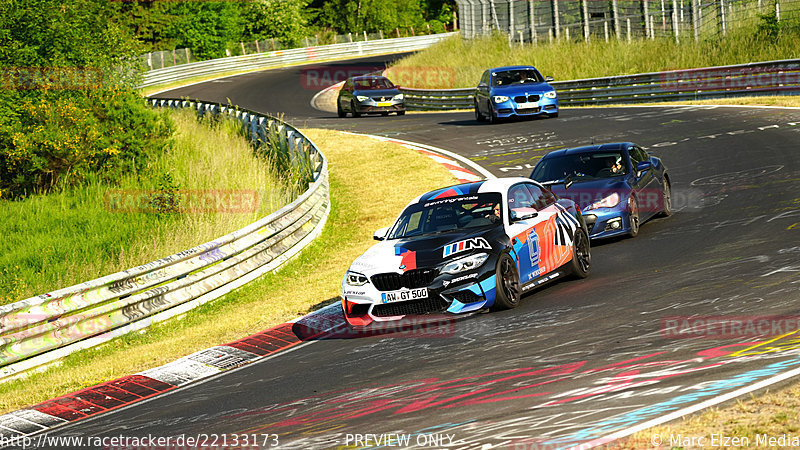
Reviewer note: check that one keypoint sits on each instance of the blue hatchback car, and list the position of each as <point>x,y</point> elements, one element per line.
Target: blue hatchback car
<point>617,186</point>
<point>514,91</point>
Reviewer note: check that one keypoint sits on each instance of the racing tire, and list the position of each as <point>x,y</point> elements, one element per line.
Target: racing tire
<point>581,262</point>
<point>478,116</point>
<point>493,119</point>
<point>667,199</point>
<point>553,115</point>
<point>354,110</point>
<point>507,291</point>
<point>339,111</point>
<point>401,113</point>
<point>633,218</point>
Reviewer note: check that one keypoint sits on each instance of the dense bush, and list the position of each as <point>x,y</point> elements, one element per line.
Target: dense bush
<point>65,109</point>
<point>59,138</point>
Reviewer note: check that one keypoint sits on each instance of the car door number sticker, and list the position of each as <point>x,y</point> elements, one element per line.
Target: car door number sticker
<point>403,295</point>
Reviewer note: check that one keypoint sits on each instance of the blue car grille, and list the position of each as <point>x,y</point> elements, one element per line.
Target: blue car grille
<point>412,279</point>
<point>423,306</point>
<point>523,99</point>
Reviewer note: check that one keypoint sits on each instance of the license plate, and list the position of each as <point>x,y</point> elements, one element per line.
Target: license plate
<point>403,295</point>
<point>528,105</point>
<point>384,103</point>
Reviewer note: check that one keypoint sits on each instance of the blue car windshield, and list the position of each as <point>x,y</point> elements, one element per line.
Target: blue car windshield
<point>516,76</point>
<point>449,214</point>
<point>580,166</point>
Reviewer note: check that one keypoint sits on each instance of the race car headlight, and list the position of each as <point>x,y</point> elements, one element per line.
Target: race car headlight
<point>608,202</point>
<point>500,98</point>
<point>464,264</point>
<point>362,98</point>
<point>398,97</point>
<point>355,279</point>
<point>551,94</point>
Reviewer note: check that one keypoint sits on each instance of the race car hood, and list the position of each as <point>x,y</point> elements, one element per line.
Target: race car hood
<point>519,89</point>
<point>401,255</point>
<point>584,193</point>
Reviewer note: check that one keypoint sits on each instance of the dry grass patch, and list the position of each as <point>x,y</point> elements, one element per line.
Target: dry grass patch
<point>371,181</point>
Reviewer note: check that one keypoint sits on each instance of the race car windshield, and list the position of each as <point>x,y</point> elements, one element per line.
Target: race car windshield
<point>449,214</point>
<point>371,84</point>
<point>580,166</point>
<point>517,76</point>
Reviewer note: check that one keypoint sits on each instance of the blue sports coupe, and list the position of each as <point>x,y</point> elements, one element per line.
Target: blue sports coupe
<point>514,91</point>
<point>617,186</point>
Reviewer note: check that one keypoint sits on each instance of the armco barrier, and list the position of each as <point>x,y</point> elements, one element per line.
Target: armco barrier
<point>282,57</point>
<point>761,78</point>
<point>41,329</point>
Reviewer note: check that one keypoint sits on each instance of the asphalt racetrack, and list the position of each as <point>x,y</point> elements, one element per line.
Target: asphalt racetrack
<point>651,332</point>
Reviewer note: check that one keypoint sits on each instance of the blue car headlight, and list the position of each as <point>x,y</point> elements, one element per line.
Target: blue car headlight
<point>500,98</point>
<point>551,94</point>
<point>607,202</point>
<point>464,264</point>
<point>355,279</point>
<point>362,98</point>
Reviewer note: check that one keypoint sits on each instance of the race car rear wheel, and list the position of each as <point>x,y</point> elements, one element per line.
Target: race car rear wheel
<point>507,292</point>
<point>633,218</point>
<point>581,255</point>
<point>667,199</point>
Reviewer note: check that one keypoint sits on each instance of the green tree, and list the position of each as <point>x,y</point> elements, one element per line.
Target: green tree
<point>208,28</point>
<point>284,20</point>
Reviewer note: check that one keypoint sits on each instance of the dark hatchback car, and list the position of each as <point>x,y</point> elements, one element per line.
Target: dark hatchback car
<point>369,94</point>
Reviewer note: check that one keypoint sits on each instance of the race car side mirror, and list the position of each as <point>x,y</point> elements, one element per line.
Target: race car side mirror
<point>549,78</point>
<point>380,234</point>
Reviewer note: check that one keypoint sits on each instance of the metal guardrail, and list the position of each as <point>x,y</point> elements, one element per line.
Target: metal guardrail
<point>760,78</point>
<point>57,323</point>
<point>282,57</point>
<point>443,99</point>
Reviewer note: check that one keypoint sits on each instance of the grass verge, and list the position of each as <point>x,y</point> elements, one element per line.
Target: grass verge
<point>575,60</point>
<point>78,234</point>
<point>371,181</point>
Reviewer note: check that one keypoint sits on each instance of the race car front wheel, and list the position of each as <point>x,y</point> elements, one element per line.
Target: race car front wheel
<point>581,255</point>
<point>507,293</point>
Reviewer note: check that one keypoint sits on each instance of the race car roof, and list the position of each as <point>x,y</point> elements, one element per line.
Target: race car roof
<point>499,185</point>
